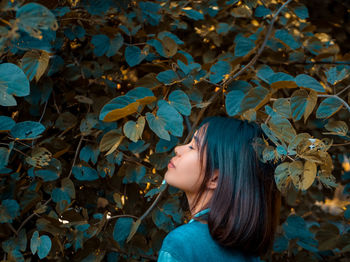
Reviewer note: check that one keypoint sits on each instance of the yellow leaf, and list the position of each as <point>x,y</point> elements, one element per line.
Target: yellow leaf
<point>310,170</point>
<point>119,113</point>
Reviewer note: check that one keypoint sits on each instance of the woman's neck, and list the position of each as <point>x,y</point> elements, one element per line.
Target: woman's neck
<point>201,204</point>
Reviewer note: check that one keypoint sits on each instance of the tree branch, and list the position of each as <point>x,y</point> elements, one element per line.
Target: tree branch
<point>260,50</point>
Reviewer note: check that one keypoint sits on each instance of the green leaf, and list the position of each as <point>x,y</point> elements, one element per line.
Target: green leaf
<point>328,107</point>
<point>27,130</point>
<point>122,229</point>
<point>180,101</point>
<point>13,81</point>
<point>281,175</point>
<point>307,81</point>
<point>218,71</point>
<point>133,55</point>
<point>84,173</point>
<point>134,130</point>
<point>9,210</point>
<point>233,102</point>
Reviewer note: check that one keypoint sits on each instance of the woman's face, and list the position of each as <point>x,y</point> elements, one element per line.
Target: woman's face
<point>186,173</point>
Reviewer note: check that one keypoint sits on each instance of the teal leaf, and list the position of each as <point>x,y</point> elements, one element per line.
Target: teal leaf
<point>334,75</point>
<point>34,242</point>
<point>27,130</point>
<point>180,101</point>
<point>193,14</point>
<point>167,77</point>
<point>264,73</point>
<point>233,102</point>
<point>165,145</point>
<point>243,46</point>
<point>88,153</point>
<point>157,125</point>
<point>6,123</point>
<point>262,11</point>
<point>66,192</point>
<point>188,68</point>
<point>287,38</point>
<point>40,245</point>
<point>84,173</point>
<point>139,93</point>
<point>134,174</point>
<point>328,107</point>
<point>122,229</point>
<point>4,156</point>
<point>280,244</point>
<point>9,210</point>
<point>163,34</point>
<point>33,17</point>
<point>280,76</point>
<point>301,11</point>
<point>172,118</point>
<point>295,227</point>
<point>347,212</point>
<point>133,55</point>
<point>104,45</point>
<point>309,82</point>
<point>298,103</point>
<point>218,71</point>
<point>46,174</point>
<point>13,81</point>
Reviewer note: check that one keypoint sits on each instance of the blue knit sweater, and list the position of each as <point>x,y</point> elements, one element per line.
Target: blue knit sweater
<point>192,242</point>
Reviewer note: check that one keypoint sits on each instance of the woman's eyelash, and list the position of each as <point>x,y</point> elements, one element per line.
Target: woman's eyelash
<point>191,147</point>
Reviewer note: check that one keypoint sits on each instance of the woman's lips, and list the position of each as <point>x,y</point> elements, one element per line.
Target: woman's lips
<point>171,165</point>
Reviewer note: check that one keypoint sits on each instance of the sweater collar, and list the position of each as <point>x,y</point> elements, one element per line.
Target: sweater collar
<point>200,213</point>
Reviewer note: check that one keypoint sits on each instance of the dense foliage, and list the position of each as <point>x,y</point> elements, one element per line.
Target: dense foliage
<point>96,94</point>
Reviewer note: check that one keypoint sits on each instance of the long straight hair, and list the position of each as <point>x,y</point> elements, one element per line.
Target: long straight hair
<point>244,208</point>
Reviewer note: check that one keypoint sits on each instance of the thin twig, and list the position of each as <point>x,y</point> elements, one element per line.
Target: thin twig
<point>28,218</point>
<point>260,50</point>
<point>12,229</point>
<point>346,88</point>
<point>76,155</point>
<point>19,151</point>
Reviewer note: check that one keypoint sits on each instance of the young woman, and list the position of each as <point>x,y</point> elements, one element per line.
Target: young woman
<point>231,193</point>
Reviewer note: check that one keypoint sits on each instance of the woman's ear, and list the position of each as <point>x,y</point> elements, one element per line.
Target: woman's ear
<point>213,182</point>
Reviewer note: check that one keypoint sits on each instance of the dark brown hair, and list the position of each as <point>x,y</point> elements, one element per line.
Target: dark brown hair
<point>244,209</point>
